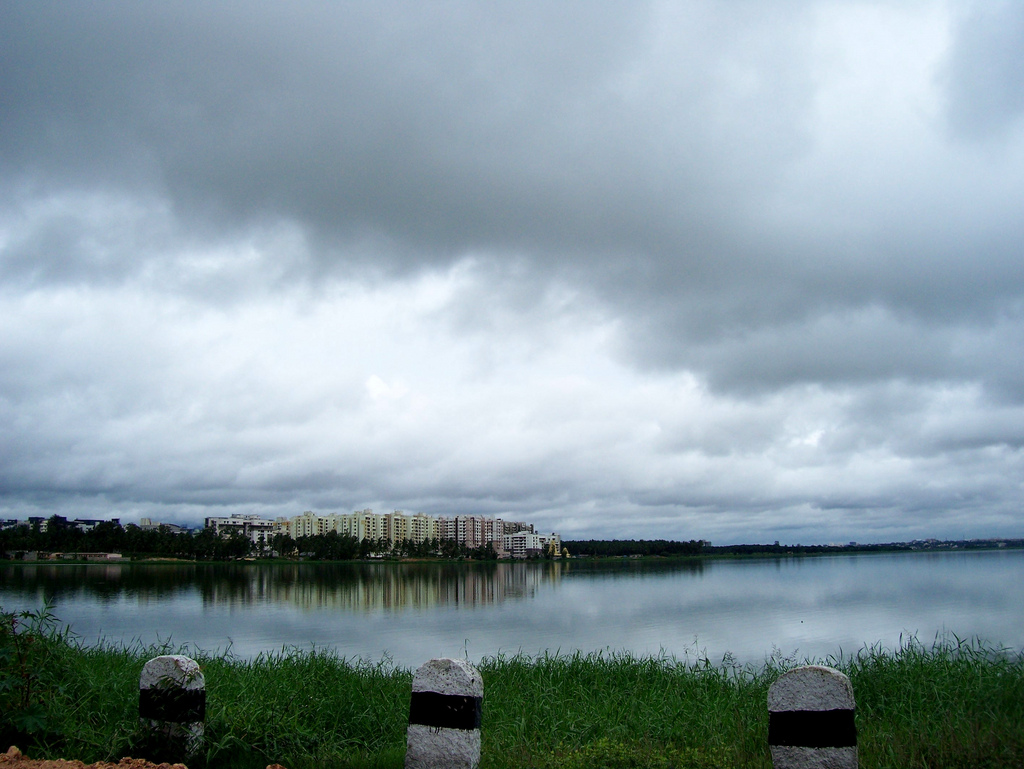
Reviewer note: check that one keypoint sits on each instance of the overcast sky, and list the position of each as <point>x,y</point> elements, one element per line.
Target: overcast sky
<point>738,271</point>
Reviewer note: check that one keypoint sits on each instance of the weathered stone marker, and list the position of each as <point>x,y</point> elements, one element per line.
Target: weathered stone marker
<point>810,720</point>
<point>172,703</point>
<point>444,716</point>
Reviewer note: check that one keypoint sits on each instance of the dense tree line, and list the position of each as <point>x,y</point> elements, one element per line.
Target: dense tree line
<point>60,536</point>
<point>855,547</point>
<point>658,547</point>
<point>613,548</point>
<point>333,546</point>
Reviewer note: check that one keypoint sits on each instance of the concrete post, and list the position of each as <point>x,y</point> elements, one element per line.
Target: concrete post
<point>172,703</point>
<point>444,716</point>
<point>810,720</point>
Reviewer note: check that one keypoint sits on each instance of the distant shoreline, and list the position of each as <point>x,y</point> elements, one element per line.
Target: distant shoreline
<point>619,548</point>
<point>623,550</point>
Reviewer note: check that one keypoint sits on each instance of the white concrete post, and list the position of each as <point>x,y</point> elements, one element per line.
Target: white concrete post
<point>444,716</point>
<point>810,720</point>
<point>172,702</point>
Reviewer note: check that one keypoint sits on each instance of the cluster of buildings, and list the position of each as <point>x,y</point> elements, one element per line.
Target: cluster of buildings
<point>82,524</point>
<point>510,539</point>
<point>43,524</point>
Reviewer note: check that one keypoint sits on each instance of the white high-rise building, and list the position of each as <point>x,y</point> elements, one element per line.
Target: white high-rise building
<point>257,529</point>
<point>473,531</point>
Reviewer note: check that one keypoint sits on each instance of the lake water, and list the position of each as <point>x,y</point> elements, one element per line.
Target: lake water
<point>808,607</point>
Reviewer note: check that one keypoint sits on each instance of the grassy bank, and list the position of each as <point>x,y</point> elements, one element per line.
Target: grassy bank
<point>949,704</point>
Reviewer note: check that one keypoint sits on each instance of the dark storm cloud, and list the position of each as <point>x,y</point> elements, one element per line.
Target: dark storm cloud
<point>389,119</point>
<point>606,139</point>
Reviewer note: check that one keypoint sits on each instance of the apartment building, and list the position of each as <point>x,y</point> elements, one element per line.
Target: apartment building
<point>446,528</point>
<point>524,544</point>
<point>348,523</point>
<point>305,525</point>
<point>309,524</point>
<point>257,529</point>
<point>423,528</point>
<point>473,531</point>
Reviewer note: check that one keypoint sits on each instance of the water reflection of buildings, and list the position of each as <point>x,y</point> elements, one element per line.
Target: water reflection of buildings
<point>370,587</point>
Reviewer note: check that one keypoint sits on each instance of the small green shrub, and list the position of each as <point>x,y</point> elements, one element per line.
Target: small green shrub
<point>25,653</point>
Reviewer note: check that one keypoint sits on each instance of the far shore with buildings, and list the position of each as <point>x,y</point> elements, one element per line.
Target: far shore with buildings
<point>508,539</point>
<point>384,535</point>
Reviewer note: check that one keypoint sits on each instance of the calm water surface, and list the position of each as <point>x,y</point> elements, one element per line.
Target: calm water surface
<point>810,607</point>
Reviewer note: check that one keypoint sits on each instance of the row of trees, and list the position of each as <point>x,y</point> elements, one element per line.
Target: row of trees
<point>60,536</point>
<point>613,548</point>
<point>333,546</point>
<point>660,547</point>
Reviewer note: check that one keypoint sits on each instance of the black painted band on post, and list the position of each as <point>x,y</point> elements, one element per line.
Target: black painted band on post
<point>812,728</point>
<point>180,706</point>
<point>449,711</point>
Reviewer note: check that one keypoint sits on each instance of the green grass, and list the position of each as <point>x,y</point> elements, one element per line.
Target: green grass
<point>950,704</point>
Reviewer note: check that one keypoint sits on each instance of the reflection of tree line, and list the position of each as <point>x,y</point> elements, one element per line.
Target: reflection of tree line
<point>106,582</point>
<point>347,587</point>
<point>369,587</point>
<point>633,568</point>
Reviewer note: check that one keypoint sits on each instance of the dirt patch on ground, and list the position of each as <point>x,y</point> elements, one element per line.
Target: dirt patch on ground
<point>14,759</point>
